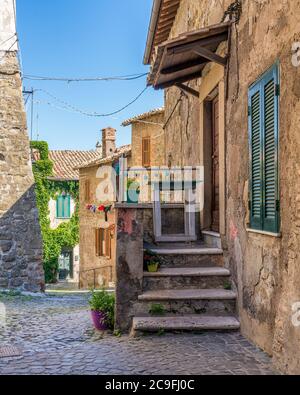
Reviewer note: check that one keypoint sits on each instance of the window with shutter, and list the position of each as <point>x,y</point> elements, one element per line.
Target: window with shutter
<point>63,206</point>
<point>103,242</point>
<point>146,152</point>
<point>99,241</point>
<point>87,191</point>
<point>263,127</point>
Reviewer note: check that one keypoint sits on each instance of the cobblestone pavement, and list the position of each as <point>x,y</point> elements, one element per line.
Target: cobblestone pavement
<point>55,336</point>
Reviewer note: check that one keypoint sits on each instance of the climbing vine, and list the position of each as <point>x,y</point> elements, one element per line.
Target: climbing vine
<point>67,233</point>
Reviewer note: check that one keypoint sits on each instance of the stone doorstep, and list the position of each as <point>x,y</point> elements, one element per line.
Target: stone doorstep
<point>190,272</point>
<point>188,294</point>
<point>188,323</point>
<point>187,251</point>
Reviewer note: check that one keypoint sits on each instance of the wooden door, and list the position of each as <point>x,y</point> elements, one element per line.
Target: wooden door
<point>215,166</point>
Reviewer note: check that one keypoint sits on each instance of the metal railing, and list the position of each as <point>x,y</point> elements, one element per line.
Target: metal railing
<point>94,270</point>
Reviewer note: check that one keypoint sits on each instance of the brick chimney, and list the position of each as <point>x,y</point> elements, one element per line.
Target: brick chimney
<point>108,141</point>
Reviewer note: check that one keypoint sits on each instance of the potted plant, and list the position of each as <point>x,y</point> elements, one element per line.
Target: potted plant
<point>151,261</point>
<point>102,305</point>
<point>133,190</point>
<point>153,266</point>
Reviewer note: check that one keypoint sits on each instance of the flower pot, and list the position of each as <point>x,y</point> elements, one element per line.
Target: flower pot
<point>152,267</point>
<point>99,318</point>
<point>131,201</point>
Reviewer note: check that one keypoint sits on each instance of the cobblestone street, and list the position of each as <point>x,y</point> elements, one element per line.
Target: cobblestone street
<point>55,336</point>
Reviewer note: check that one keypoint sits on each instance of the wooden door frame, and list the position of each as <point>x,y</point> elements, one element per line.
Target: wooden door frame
<point>212,82</point>
<point>214,127</point>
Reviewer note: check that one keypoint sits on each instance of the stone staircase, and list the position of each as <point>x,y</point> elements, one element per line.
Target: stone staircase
<point>192,288</point>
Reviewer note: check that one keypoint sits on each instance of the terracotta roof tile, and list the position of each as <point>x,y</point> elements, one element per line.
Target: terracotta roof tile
<point>65,162</point>
<point>124,150</point>
<point>145,115</point>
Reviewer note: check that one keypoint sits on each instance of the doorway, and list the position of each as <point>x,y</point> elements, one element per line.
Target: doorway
<point>65,265</point>
<point>215,215</point>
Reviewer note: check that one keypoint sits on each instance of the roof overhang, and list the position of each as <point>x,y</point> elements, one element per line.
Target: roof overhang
<point>184,58</point>
<point>162,19</point>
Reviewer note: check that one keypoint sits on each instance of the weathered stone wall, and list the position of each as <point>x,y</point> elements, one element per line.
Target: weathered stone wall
<point>89,221</point>
<point>129,259</point>
<point>155,131</point>
<point>266,268</point>
<point>20,236</point>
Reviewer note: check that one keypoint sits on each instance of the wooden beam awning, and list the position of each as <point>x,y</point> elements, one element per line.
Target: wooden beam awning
<point>183,59</point>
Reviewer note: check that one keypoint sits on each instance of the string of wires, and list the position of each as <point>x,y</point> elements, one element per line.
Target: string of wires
<point>66,106</point>
<point>130,77</point>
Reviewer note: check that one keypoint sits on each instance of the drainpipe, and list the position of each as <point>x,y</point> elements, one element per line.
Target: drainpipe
<point>152,29</point>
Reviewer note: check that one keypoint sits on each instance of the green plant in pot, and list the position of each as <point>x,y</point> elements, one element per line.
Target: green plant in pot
<point>151,261</point>
<point>133,190</point>
<point>153,266</point>
<point>102,304</point>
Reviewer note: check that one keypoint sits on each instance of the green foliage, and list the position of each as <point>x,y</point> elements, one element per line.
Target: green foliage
<point>105,302</point>
<point>42,147</point>
<point>67,234</point>
<point>228,286</point>
<point>117,333</point>
<point>157,309</point>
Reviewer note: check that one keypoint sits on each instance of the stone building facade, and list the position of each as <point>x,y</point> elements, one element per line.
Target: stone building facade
<point>97,228</point>
<point>21,265</point>
<point>148,126</point>
<point>99,268</point>
<point>265,264</point>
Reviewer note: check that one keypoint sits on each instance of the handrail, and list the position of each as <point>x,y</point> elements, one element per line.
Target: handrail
<point>94,270</point>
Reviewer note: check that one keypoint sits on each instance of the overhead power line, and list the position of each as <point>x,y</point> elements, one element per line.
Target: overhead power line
<point>68,107</point>
<point>5,41</point>
<point>7,50</point>
<point>87,79</point>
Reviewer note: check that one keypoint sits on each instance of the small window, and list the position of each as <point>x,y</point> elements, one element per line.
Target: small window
<point>264,201</point>
<point>146,152</point>
<point>103,242</point>
<point>87,191</point>
<point>63,206</point>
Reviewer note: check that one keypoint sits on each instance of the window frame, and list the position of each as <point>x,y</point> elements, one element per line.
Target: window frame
<point>87,190</point>
<point>103,242</point>
<point>64,215</point>
<point>144,162</point>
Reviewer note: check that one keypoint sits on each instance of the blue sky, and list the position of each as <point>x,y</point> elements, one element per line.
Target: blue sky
<point>76,38</point>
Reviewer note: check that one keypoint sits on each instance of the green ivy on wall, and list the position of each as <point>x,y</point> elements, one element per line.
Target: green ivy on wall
<point>67,233</point>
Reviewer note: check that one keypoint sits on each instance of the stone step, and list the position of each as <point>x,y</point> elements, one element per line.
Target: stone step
<point>188,294</point>
<point>212,239</point>
<point>181,250</point>
<point>188,301</point>
<point>190,271</point>
<point>188,306</point>
<point>183,278</point>
<point>186,255</point>
<point>185,323</point>
<point>175,238</point>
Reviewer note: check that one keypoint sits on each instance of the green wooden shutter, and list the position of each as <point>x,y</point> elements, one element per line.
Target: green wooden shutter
<point>263,127</point>
<point>270,134</point>
<point>67,207</point>
<point>255,159</point>
<point>59,207</point>
<point>63,207</point>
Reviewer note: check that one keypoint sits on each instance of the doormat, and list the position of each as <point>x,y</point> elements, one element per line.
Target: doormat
<point>9,351</point>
